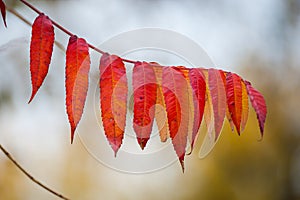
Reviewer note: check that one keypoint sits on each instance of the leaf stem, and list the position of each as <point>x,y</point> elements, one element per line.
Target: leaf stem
<point>68,32</point>
<point>29,175</point>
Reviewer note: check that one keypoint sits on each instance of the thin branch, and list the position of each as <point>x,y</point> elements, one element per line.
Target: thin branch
<point>18,15</point>
<point>68,32</point>
<point>30,176</point>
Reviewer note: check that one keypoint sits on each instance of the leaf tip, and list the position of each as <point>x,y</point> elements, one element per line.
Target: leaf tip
<point>260,139</point>
<point>189,153</point>
<point>72,133</point>
<point>115,147</point>
<point>181,160</point>
<point>192,148</point>
<point>115,152</point>
<point>142,142</point>
<point>238,131</point>
<point>3,12</point>
<point>32,97</point>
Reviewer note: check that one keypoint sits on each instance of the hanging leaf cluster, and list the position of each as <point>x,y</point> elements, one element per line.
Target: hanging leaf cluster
<point>183,96</point>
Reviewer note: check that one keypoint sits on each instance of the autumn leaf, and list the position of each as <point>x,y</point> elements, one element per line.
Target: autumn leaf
<point>228,115</point>
<point>234,98</point>
<point>3,12</point>
<point>191,110</point>
<point>160,107</point>
<point>175,94</point>
<point>197,82</point>
<point>218,98</point>
<point>177,97</point>
<point>41,48</point>
<point>259,104</point>
<point>245,106</point>
<point>209,140</point>
<point>113,98</point>
<point>144,92</point>
<point>77,74</point>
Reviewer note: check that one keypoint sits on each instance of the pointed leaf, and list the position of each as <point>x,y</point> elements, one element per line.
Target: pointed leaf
<point>209,140</point>
<point>175,90</point>
<point>259,104</point>
<point>209,113</point>
<point>191,110</point>
<point>144,92</point>
<point>77,79</point>
<point>218,97</point>
<point>234,98</point>
<point>41,48</point>
<point>198,85</point>
<point>160,107</point>
<point>245,106</point>
<point>113,98</point>
<point>228,115</point>
<point>3,11</point>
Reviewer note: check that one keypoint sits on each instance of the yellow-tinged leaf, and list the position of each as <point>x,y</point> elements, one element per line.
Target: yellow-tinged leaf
<point>245,106</point>
<point>218,98</point>
<point>160,107</point>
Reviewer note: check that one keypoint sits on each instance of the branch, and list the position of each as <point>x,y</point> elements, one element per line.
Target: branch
<point>18,15</point>
<point>68,32</point>
<point>30,176</point>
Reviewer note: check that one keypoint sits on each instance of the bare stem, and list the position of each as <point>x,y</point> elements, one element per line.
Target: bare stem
<point>68,32</point>
<point>29,175</point>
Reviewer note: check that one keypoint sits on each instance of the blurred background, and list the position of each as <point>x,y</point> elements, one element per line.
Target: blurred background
<point>258,39</point>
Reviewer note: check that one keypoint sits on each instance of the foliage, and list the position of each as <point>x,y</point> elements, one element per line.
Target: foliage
<point>186,94</point>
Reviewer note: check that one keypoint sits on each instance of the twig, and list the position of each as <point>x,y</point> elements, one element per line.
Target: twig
<point>30,176</point>
<point>18,15</point>
<point>68,32</point>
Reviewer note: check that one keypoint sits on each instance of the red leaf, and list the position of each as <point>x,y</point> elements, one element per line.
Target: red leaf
<point>198,85</point>
<point>160,107</point>
<point>228,115</point>
<point>77,74</point>
<point>234,98</point>
<point>175,94</point>
<point>3,12</point>
<point>144,92</point>
<point>41,48</point>
<point>218,97</point>
<point>259,104</point>
<point>113,94</point>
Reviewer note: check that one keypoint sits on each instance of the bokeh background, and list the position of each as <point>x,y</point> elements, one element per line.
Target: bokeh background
<point>258,39</point>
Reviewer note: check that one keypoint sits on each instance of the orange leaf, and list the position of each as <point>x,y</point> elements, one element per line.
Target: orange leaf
<point>191,110</point>
<point>245,106</point>
<point>259,104</point>
<point>144,92</point>
<point>175,94</point>
<point>234,98</point>
<point>113,94</point>
<point>218,97</point>
<point>209,140</point>
<point>3,12</point>
<point>41,48</point>
<point>160,107</point>
<point>77,79</point>
<point>198,85</point>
